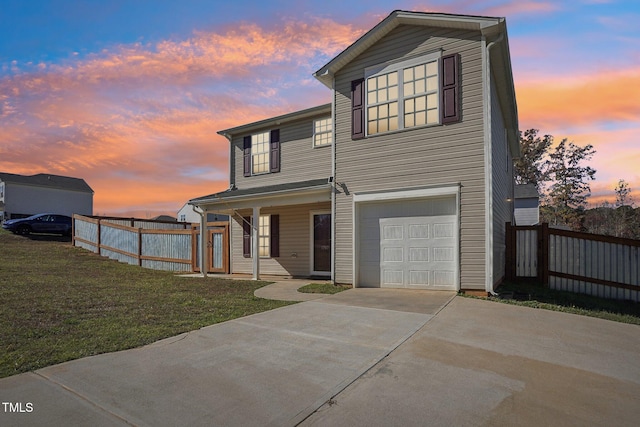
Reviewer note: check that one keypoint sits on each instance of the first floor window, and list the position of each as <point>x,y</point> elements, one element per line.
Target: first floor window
<point>268,239</point>
<point>265,235</point>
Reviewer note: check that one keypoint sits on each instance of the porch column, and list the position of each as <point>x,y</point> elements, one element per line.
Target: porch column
<point>255,242</point>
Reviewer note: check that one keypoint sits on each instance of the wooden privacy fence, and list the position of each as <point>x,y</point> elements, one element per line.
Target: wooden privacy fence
<point>603,266</point>
<point>157,245</point>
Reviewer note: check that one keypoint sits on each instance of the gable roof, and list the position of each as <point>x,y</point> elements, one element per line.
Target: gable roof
<point>493,29</point>
<point>525,191</point>
<point>47,180</point>
<point>488,26</point>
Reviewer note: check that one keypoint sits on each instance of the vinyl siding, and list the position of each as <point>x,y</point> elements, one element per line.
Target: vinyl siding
<point>299,160</point>
<point>420,157</point>
<point>526,215</point>
<point>502,183</point>
<point>31,200</point>
<point>295,241</point>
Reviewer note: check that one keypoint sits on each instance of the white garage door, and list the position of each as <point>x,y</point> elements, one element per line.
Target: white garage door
<point>417,252</point>
<point>400,249</point>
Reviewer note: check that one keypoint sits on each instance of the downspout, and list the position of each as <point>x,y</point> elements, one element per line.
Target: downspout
<point>203,240</point>
<point>489,168</point>
<point>333,184</point>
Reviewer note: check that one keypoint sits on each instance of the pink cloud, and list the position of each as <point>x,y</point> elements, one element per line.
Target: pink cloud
<point>512,9</point>
<point>139,121</point>
<point>580,99</point>
<point>522,8</point>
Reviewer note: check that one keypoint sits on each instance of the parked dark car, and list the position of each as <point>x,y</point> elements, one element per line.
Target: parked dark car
<point>41,223</point>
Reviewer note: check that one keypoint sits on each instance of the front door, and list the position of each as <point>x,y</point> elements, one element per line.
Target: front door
<point>321,243</point>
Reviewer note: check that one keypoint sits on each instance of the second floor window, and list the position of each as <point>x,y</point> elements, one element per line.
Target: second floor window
<point>322,132</point>
<point>404,95</point>
<point>260,153</point>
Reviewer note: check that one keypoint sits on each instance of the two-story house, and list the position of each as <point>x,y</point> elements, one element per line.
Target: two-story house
<point>25,195</point>
<point>404,180</point>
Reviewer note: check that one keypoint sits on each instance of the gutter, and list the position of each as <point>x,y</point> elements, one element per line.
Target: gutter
<point>333,184</point>
<point>489,258</point>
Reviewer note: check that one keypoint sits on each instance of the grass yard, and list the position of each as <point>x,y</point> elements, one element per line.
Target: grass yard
<point>59,303</point>
<point>323,288</point>
<point>537,296</point>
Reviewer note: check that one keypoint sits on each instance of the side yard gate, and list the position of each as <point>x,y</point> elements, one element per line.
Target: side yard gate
<point>157,245</point>
<point>603,266</point>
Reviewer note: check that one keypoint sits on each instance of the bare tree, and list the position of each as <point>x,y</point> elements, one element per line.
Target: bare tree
<point>623,194</point>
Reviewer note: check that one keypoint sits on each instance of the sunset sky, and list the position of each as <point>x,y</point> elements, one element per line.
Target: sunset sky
<point>129,94</point>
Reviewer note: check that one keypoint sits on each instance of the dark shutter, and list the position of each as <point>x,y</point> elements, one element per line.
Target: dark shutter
<point>247,155</point>
<point>357,109</point>
<point>450,107</point>
<point>274,234</point>
<point>246,237</point>
<point>274,151</point>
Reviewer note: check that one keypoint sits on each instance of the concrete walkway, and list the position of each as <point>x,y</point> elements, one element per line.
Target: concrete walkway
<point>361,357</point>
<point>287,290</point>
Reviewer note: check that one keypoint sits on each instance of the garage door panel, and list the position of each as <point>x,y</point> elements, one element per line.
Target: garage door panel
<point>419,254</point>
<point>393,254</point>
<point>393,278</point>
<point>392,232</point>
<point>419,278</point>
<point>443,254</point>
<point>442,230</point>
<point>443,279</point>
<point>419,231</point>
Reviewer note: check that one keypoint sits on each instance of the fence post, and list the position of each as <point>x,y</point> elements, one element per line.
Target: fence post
<point>543,253</point>
<point>140,247</point>
<point>194,250</point>
<point>98,237</point>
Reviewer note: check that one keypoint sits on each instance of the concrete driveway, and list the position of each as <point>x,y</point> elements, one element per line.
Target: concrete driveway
<point>378,357</point>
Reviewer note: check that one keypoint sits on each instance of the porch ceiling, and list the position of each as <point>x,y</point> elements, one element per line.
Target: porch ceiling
<point>293,193</point>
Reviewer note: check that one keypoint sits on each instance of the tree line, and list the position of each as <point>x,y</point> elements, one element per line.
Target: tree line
<point>561,175</point>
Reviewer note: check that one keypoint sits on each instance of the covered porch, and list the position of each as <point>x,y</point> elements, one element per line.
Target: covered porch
<point>292,234</point>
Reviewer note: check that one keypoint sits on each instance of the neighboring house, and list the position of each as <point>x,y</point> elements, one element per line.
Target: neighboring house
<point>187,214</point>
<point>526,210</point>
<point>22,195</point>
<point>404,180</point>
<point>165,218</point>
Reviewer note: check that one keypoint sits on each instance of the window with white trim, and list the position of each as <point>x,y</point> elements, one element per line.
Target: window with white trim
<point>260,153</point>
<point>264,225</point>
<point>322,132</point>
<point>403,95</point>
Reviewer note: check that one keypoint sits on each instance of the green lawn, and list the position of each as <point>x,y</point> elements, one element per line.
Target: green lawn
<point>323,288</point>
<point>60,303</point>
<point>537,296</point>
